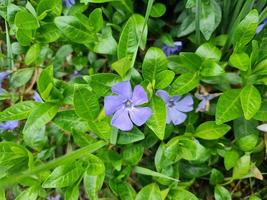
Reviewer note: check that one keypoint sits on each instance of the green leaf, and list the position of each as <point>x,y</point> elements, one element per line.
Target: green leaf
<point>261,115</point>
<point>39,117</point>
<point>37,140</point>
<point>49,7</point>
<point>250,100</point>
<point>85,103</point>
<point>82,139</point>
<point>182,194</point>
<point>211,68</point>
<point>230,159</point>
<point>240,61</point>
<point>210,18</point>
<point>122,66</point>
<point>92,184</point>
<point>45,82</point>
<point>21,77</point>
<point>29,194</point>
<point>130,35</point>
<point>158,9</point>
<point>221,193</point>
<point>164,79</point>
<point>157,122</point>
<point>24,37</point>
<point>101,128</point>
<point>95,165</point>
<point>48,33</point>
<point>123,190</point>
<point>216,177</point>
<point>96,19</point>
<point>133,154</point>
<point>25,20</point>
<point>69,121</point>
<point>63,176</point>
<point>208,50</point>
<point>246,30</point>
<point>228,106</point>
<point>149,192</point>
<point>72,192</point>
<point>184,84</point>
<point>130,136</point>
<point>97,1</point>
<point>32,54</point>
<point>242,167</point>
<point>75,30</point>
<point>102,83</point>
<point>211,131</point>
<point>18,111</point>
<point>155,61</point>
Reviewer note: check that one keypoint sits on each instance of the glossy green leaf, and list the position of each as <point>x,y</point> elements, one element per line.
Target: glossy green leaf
<point>45,82</point>
<point>92,184</point>
<point>158,9</point>
<point>184,84</point>
<point>149,192</point>
<point>29,194</point>
<point>63,176</point>
<point>130,136</point>
<point>221,193</point>
<point>40,116</point>
<point>230,159</point>
<point>240,61</point>
<point>246,30</point>
<point>49,7</point>
<point>32,54</point>
<point>96,19</point>
<point>250,100</point>
<point>133,154</point>
<point>208,50</point>
<point>122,65</point>
<point>228,106</point>
<point>211,131</point>
<point>72,192</point>
<point>155,61</point>
<point>25,20</point>
<point>182,194</point>
<point>242,167</point>
<point>157,122</point>
<point>85,103</point>
<point>164,79</point>
<point>74,29</point>
<point>18,111</point>
<point>211,68</point>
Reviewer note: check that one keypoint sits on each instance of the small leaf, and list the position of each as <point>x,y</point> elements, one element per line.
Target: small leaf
<point>149,192</point>
<point>240,61</point>
<point>122,66</point>
<point>18,111</point>
<point>242,167</point>
<point>230,159</point>
<point>250,100</point>
<point>211,131</point>
<point>158,9</point>
<point>208,50</point>
<point>130,136</point>
<point>228,106</point>
<point>157,122</point>
<point>86,103</point>
<point>32,54</point>
<point>25,20</point>
<point>184,84</point>
<point>21,77</point>
<point>164,79</point>
<point>221,193</point>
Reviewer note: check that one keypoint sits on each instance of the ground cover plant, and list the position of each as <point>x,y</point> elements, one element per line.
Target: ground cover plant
<point>133,99</point>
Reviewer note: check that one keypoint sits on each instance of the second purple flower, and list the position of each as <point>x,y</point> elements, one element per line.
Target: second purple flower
<point>176,106</point>
<point>126,106</point>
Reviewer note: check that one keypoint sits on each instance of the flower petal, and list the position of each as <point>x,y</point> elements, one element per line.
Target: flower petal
<point>112,104</point>
<point>176,116</point>
<point>123,88</point>
<point>139,96</point>
<point>140,115</point>
<point>202,106</point>
<point>164,95</point>
<point>121,120</point>
<point>262,127</point>
<point>185,104</point>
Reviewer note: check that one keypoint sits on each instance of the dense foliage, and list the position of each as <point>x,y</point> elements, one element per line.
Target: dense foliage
<point>124,99</point>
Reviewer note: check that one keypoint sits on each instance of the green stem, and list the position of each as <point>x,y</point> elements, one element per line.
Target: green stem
<point>9,49</point>
<point>68,158</point>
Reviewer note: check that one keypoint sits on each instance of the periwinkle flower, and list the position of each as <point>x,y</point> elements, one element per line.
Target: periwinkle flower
<point>36,97</point>
<point>203,106</point>
<point>170,50</point>
<point>68,3</point>
<point>261,26</point>
<point>3,75</point>
<point>9,125</point>
<point>176,107</point>
<point>126,106</point>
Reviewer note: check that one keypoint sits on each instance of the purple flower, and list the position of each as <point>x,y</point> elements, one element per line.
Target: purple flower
<point>36,97</point>
<point>3,75</point>
<point>125,106</point>
<point>9,125</point>
<point>170,50</point>
<point>203,106</point>
<point>176,107</point>
<point>261,26</point>
<point>68,3</point>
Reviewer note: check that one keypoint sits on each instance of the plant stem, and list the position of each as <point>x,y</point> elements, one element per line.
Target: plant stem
<point>198,13</point>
